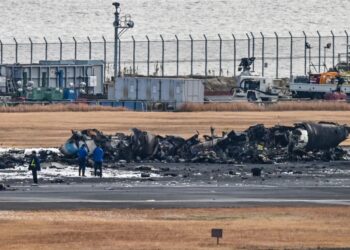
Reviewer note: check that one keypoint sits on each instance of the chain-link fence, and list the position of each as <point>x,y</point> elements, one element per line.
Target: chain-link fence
<point>276,56</point>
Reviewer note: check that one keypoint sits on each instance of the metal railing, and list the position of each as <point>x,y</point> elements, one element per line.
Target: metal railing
<point>276,56</point>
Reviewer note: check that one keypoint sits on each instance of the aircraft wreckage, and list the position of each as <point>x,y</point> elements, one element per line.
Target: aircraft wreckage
<point>258,144</point>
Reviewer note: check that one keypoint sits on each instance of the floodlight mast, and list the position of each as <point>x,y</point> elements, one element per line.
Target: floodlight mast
<point>121,24</point>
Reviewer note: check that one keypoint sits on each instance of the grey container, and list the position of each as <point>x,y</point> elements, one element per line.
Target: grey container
<point>166,90</point>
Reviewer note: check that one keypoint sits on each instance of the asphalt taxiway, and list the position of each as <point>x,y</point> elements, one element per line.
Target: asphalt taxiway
<point>109,196</point>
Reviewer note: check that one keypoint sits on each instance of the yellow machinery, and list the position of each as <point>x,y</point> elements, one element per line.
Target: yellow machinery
<point>328,77</point>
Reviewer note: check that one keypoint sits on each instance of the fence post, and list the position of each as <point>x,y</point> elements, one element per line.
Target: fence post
<point>305,52</point>
<point>191,55</point>
<point>2,52</point>
<point>133,55</point>
<point>291,55</point>
<point>31,50</point>
<point>277,54</point>
<point>205,55</point>
<point>16,50</point>
<point>333,48</point>
<point>104,55</point>
<point>262,54</point>
<point>75,48</point>
<point>89,47</point>
<point>248,44</point>
<point>60,48</point>
<point>177,55</point>
<point>46,48</point>
<point>234,54</point>
<point>161,37</point>
<point>319,51</point>
<point>347,48</point>
<point>148,54</point>
<point>220,56</point>
<point>253,49</point>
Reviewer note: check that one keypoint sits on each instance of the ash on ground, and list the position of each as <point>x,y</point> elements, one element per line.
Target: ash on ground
<point>190,174</point>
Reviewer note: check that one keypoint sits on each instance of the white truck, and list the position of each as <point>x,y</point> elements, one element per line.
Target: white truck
<point>328,85</point>
<point>256,88</point>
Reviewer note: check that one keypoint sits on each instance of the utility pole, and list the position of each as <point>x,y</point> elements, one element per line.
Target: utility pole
<point>116,40</point>
<point>121,24</point>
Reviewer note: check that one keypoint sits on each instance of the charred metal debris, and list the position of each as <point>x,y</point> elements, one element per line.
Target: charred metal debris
<point>17,157</point>
<point>258,144</point>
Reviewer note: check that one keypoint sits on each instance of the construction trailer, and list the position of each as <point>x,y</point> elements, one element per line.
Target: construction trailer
<point>54,74</point>
<point>168,93</point>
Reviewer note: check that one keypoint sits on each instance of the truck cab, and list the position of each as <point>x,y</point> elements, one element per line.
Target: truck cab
<point>258,88</point>
<point>253,87</point>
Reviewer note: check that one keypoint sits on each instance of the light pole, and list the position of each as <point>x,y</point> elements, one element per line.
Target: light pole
<point>308,47</point>
<point>328,46</point>
<point>121,24</point>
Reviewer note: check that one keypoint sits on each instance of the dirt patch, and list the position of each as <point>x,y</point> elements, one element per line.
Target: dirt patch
<point>219,84</point>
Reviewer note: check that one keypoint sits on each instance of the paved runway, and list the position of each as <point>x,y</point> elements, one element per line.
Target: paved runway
<point>107,196</point>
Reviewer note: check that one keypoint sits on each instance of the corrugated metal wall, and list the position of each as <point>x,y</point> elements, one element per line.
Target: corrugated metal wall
<point>159,89</point>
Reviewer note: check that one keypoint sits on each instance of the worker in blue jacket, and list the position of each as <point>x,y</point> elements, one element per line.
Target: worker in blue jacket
<point>82,159</point>
<point>34,166</point>
<point>98,160</point>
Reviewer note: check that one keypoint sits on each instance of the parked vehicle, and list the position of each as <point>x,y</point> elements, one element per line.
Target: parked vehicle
<point>256,88</point>
<point>330,85</point>
<point>333,84</point>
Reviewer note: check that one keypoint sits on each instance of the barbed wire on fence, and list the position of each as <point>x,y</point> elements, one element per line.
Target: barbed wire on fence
<point>277,56</point>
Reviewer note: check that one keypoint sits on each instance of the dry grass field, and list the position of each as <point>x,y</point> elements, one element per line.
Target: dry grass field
<point>189,107</point>
<point>58,108</point>
<point>50,129</point>
<point>244,228</point>
<point>280,106</point>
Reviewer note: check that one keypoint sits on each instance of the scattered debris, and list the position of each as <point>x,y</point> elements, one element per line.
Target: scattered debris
<point>145,175</point>
<point>258,144</point>
<point>231,172</point>
<point>302,142</point>
<point>4,187</point>
<point>57,180</point>
<point>170,174</point>
<point>9,161</point>
<point>256,172</point>
<point>144,168</point>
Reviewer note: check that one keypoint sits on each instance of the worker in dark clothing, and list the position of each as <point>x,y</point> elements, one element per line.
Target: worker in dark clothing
<point>98,160</point>
<point>34,166</point>
<point>82,159</point>
<point>340,82</point>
